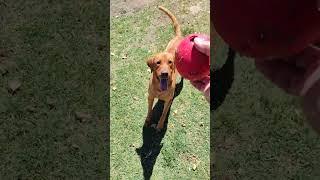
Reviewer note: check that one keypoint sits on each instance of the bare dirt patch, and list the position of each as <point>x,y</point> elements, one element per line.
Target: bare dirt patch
<point>124,7</point>
<point>184,11</point>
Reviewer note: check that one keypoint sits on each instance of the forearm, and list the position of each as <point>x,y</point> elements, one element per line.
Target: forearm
<point>311,106</point>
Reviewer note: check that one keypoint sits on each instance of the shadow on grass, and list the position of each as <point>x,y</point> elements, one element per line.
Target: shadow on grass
<point>222,81</point>
<point>152,145</point>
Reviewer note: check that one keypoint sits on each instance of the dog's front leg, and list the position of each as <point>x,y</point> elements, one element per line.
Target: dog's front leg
<point>167,105</point>
<point>150,104</point>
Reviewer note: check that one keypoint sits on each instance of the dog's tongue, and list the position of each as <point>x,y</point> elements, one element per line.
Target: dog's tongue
<point>163,84</point>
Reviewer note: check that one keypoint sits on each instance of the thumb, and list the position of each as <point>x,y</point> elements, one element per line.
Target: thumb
<point>202,45</point>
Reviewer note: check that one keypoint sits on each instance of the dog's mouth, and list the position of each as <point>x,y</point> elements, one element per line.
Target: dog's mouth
<point>163,82</point>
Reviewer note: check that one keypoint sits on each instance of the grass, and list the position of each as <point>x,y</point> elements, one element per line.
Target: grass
<point>58,49</point>
<point>259,132</point>
<point>134,38</point>
<point>54,125</point>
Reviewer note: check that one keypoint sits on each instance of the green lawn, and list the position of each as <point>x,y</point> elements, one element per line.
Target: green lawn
<point>53,101</point>
<point>134,37</point>
<point>53,126</point>
<point>259,132</point>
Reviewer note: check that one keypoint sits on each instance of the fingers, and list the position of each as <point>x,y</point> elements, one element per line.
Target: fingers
<point>295,74</point>
<point>285,75</point>
<point>311,106</point>
<point>312,58</point>
<point>202,45</point>
<point>202,84</point>
<point>311,91</point>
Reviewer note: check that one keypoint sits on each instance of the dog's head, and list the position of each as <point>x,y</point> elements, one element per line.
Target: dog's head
<point>162,65</point>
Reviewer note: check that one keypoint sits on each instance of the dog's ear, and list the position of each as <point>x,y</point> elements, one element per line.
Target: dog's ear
<point>173,66</point>
<point>151,63</point>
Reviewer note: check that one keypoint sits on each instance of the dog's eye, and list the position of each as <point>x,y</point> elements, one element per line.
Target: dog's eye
<point>170,62</point>
<point>158,62</point>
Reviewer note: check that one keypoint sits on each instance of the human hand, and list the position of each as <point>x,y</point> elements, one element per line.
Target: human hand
<point>311,106</point>
<point>203,85</point>
<point>202,45</point>
<point>295,74</point>
<point>298,75</point>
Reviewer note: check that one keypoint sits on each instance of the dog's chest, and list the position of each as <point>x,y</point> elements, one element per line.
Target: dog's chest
<point>163,95</point>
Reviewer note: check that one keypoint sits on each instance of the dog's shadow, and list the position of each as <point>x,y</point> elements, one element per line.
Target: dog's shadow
<point>221,81</point>
<point>152,145</point>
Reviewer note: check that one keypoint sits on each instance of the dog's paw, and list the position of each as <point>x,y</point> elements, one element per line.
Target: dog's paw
<point>158,130</point>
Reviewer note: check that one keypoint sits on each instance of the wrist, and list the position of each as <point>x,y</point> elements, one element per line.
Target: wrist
<point>206,92</point>
<point>311,106</point>
<point>202,84</point>
<point>311,81</point>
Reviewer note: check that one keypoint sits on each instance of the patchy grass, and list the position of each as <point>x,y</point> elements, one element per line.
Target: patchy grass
<point>134,37</point>
<point>57,53</point>
<point>259,132</point>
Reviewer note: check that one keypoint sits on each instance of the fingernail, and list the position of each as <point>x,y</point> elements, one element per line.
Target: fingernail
<point>198,40</point>
<point>201,42</point>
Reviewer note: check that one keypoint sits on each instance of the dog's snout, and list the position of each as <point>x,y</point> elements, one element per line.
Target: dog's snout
<point>164,74</point>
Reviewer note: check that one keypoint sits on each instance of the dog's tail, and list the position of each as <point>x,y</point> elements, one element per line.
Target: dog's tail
<point>174,20</point>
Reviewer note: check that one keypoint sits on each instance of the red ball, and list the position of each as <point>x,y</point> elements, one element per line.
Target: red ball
<point>268,28</point>
<point>191,63</point>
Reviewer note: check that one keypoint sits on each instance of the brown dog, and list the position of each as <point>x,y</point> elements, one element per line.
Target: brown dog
<point>163,80</point>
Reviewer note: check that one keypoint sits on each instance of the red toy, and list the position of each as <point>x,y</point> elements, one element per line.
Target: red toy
<point>269,28</point>
<point>191,63</point>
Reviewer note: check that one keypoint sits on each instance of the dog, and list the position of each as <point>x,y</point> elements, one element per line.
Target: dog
<point>163,79</point>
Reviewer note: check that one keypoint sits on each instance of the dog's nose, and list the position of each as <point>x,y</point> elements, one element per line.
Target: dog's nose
<point>164,74</point>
